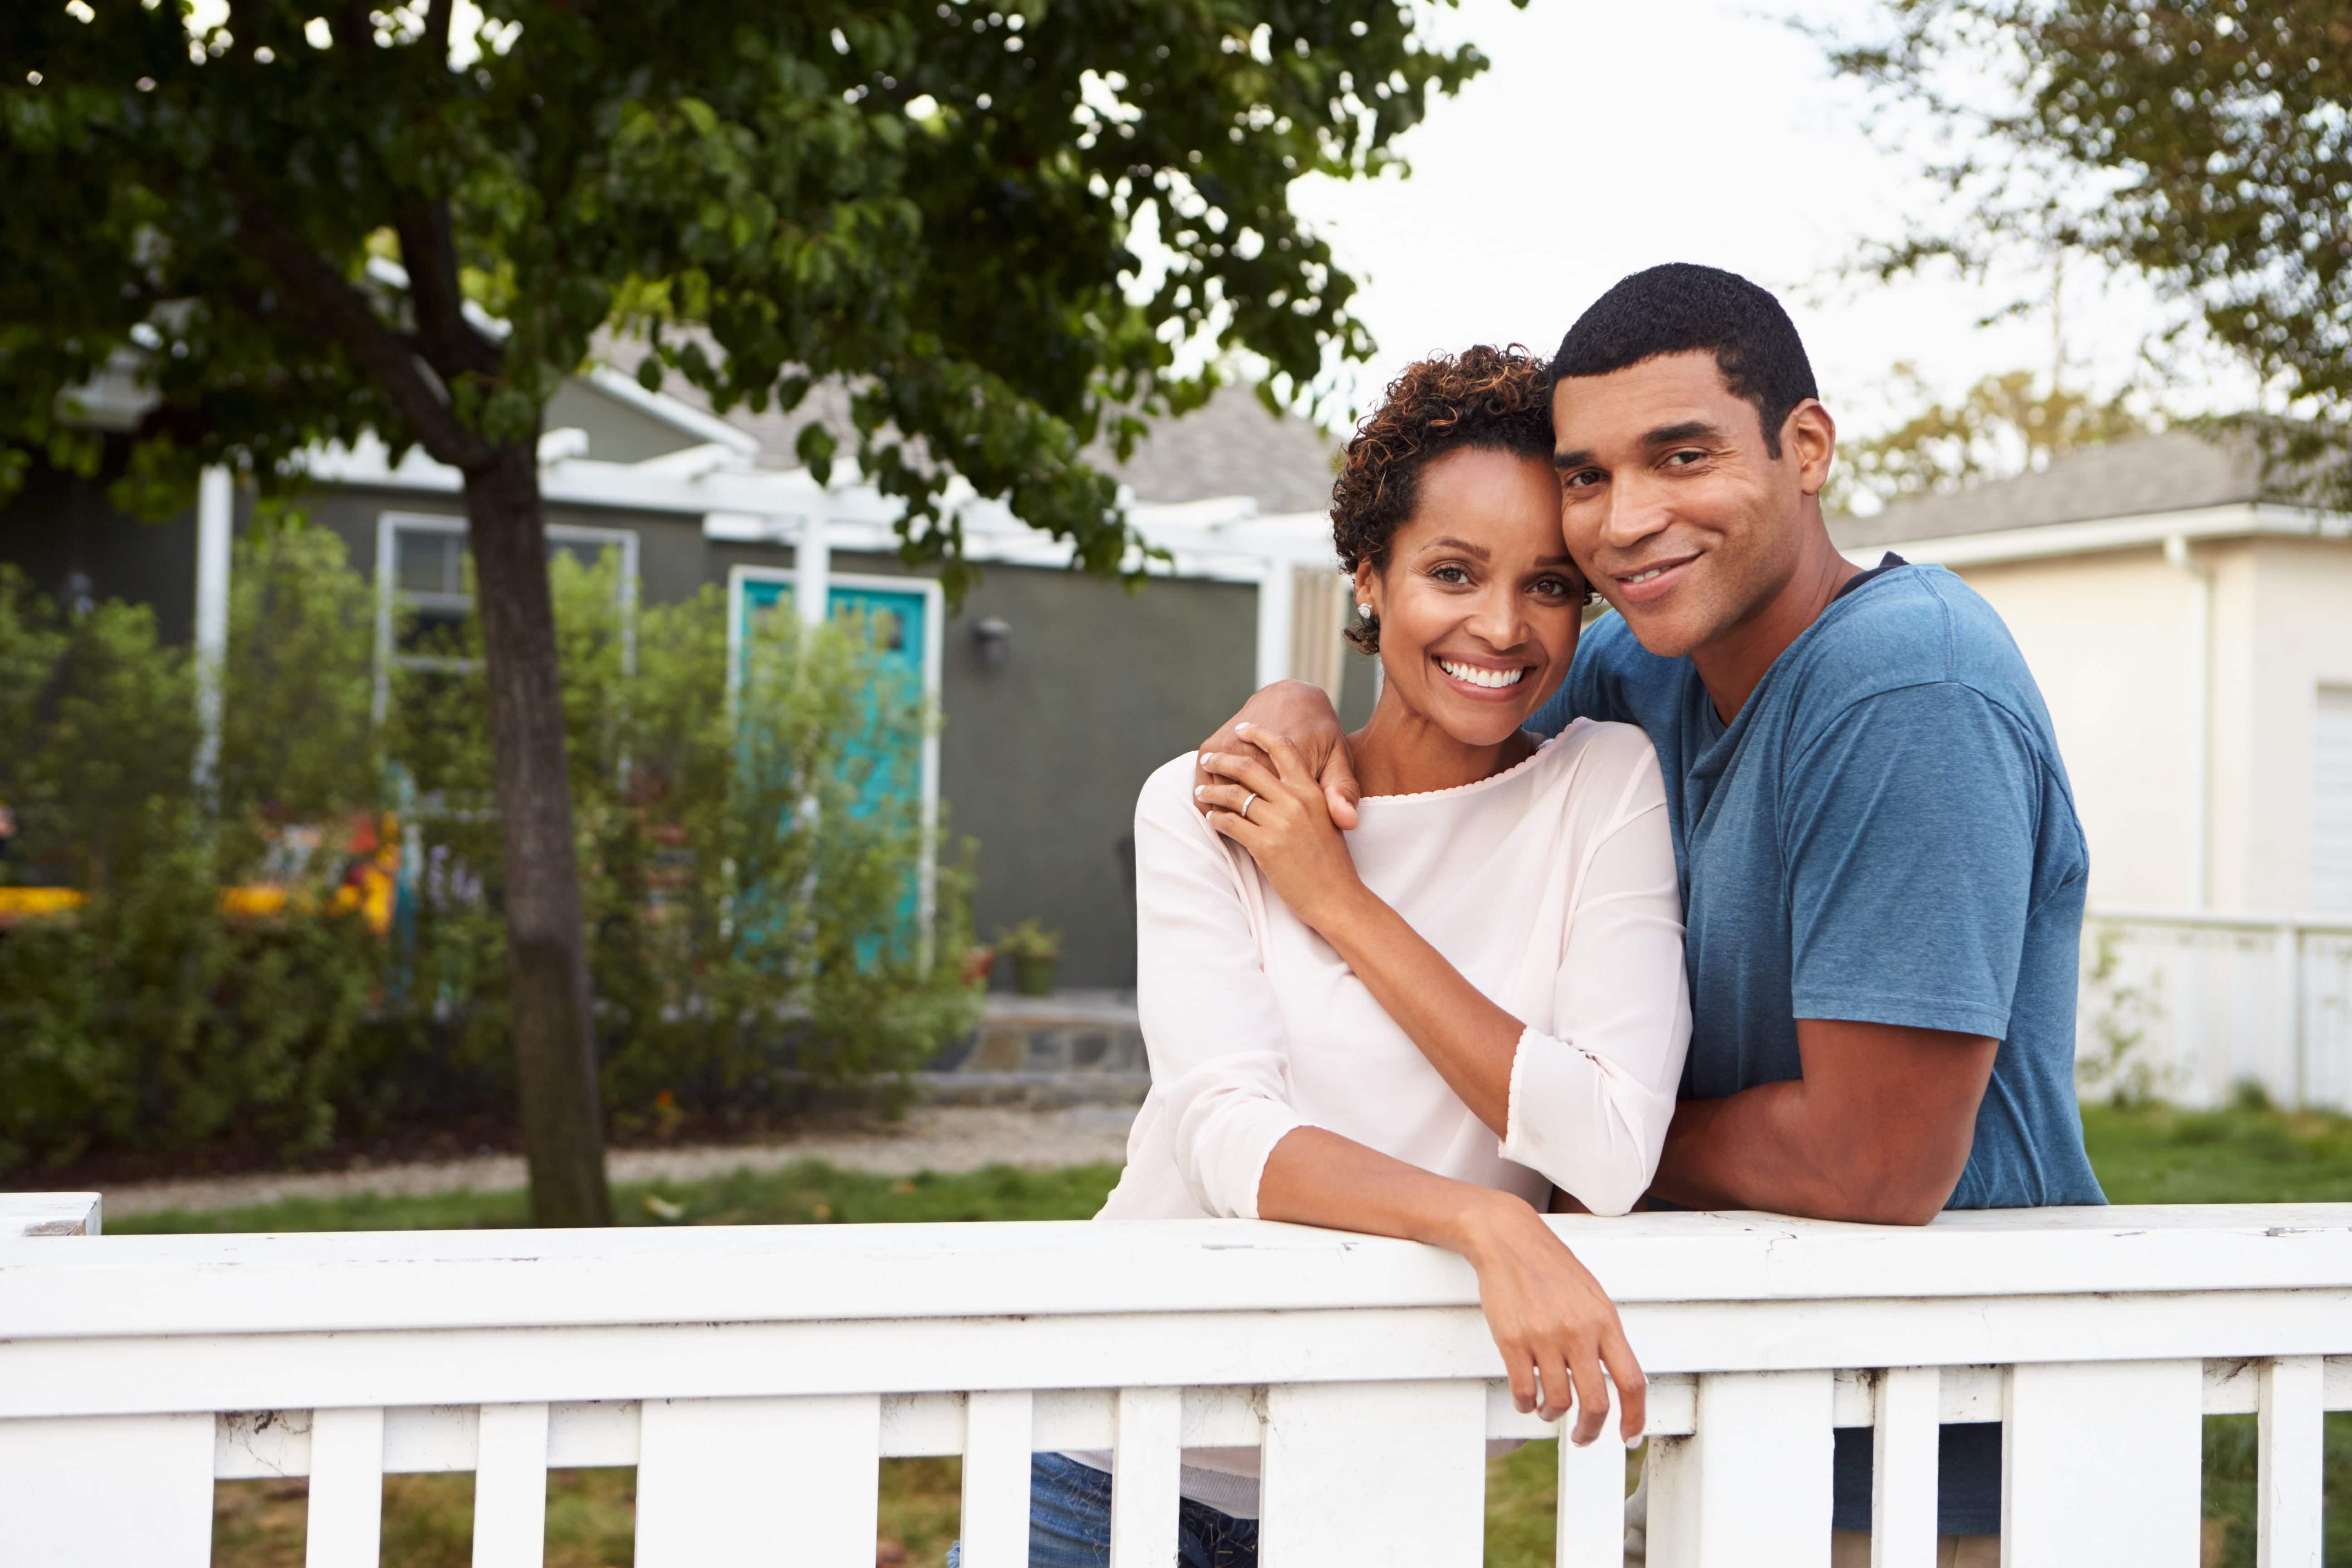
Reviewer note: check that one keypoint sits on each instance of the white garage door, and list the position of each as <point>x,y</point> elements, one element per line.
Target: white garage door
<point>2331,800</point>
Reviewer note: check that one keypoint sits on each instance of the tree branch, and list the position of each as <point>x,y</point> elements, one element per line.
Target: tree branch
<point>428,250</point>
<point>336,309</point>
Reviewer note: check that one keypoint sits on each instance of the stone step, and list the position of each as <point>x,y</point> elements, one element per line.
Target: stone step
<point>1069,1032</point>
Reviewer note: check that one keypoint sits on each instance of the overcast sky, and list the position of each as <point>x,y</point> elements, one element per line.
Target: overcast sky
<point>1610,136</point>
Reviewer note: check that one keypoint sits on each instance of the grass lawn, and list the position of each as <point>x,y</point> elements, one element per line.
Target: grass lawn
<point>2143,1155</point>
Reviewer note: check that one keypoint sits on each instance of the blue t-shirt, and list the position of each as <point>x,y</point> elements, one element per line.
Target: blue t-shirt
<point>1883,833</point>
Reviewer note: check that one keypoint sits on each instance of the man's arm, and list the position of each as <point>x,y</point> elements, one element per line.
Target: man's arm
<point>1878,1129</point>
<point>1304,716</point>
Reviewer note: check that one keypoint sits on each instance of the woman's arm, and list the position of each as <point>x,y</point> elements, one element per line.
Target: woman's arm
<point>1555,1326</point>
<point>1219,1057</point>
<point>1589,1109</point>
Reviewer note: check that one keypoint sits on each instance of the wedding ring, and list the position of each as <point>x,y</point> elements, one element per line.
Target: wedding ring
<point>1248,803</point>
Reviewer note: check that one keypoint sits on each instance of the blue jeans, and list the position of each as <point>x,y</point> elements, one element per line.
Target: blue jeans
<point>1069,1524</point>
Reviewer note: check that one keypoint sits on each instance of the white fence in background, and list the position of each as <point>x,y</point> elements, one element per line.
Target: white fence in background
<point>2203,1003</point>
<point>756,1376</point>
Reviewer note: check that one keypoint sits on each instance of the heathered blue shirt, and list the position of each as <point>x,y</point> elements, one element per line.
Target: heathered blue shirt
<point>1883,833</point>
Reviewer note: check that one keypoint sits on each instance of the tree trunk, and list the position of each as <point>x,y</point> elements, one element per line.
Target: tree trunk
<point>547,950</point>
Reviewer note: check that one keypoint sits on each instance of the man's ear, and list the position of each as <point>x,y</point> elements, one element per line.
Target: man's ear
<point>1810,437</point>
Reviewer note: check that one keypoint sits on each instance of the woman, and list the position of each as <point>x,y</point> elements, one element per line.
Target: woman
<point>1422,1027</point>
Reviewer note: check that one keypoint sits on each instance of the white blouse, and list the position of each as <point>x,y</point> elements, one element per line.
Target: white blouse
<point>1549,887</point>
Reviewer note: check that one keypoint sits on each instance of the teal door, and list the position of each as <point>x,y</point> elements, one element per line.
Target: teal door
<point>889,753</point>
<point>897,620</point>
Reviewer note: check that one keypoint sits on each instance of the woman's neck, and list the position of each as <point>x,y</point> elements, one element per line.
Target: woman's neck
<point>1401,751</point>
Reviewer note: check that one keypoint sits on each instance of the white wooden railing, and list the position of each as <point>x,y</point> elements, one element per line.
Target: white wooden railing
<point>2203,1003</point>
<point>755,1377</point>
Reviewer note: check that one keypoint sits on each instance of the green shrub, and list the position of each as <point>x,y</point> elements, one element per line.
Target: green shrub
<point>749,900</point>
<point>146,1019</point>
<point>752,920</point>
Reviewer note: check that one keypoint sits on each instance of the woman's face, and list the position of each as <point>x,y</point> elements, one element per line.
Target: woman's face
<point>1480,605</point>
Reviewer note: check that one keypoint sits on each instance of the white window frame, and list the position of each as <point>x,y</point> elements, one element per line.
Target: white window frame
<point>389,595</point>
<point>739,578</point>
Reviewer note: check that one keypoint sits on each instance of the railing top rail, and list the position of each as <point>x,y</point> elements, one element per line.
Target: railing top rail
<point>2334,922</point>
<point>140,1286</point>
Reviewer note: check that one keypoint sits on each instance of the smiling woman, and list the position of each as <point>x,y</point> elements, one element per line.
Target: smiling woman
<point>1428,1026</point>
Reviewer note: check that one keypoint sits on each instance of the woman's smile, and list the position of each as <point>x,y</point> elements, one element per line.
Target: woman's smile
<point>1482,681</point>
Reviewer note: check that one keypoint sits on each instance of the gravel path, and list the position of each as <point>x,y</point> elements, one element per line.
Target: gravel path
<point>932,1138</point>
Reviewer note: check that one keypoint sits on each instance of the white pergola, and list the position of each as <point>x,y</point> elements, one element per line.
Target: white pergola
<point>719,483</point>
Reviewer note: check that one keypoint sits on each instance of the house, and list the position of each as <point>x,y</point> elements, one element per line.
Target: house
<point>1059,692</point>
<point>2189,622</point>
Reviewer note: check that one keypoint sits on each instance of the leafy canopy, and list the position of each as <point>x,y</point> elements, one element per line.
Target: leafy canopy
<point>2005,424</point>
<point>945,202</point>
<point>2207,143</point>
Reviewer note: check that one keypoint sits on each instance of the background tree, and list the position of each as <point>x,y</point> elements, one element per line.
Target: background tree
<point>2005,424</point>
<point>2201,143</point>
<point>938,200</point>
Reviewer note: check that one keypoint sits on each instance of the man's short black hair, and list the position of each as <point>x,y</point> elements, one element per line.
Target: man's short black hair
<point>1679,307</point>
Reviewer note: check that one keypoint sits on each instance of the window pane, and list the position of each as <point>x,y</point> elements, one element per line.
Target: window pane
<point>428,562</point>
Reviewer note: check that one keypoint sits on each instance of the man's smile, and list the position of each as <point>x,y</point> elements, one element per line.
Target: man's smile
<point>1651,581</point>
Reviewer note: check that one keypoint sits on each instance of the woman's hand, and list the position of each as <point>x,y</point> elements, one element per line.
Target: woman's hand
<point>1279,815</point>
<point>1305,714</point>
<point>1554,1324</point>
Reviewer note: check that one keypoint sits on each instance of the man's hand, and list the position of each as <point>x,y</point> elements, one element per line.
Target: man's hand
<point>1303,715</point>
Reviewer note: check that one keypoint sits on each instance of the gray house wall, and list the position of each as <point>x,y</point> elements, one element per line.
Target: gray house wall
<point>61,533</point>
<point>1041,758</point>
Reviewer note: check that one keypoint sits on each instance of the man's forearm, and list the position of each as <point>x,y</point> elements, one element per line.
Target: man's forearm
<point>1769,1148</point>
<point>1745,1152</point>
<point>1878,1128</point>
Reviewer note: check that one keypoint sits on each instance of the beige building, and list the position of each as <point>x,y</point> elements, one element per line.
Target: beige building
<point>2191,629</point>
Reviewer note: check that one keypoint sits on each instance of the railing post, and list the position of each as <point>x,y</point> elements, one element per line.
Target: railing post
<point>346,1522</point>
<point>2101,1462</point>
<point>1375,1475</point>
<point>510,1488</point>
<point>1904,1445</point>
<point>997,1446</point>
<point>1592,1499</point>
<point>1147,1447</point>
<point>2290,940</point>
<point>2288,1463</point>
<point>748,1482</point>
<point>1751,1484</point>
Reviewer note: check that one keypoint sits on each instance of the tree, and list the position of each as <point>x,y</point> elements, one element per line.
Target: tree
<point>2003,425</point>
<point>940,201</point>
<point>2201,143</point>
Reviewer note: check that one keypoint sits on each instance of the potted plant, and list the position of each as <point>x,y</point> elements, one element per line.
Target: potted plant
<point>1034,950</point>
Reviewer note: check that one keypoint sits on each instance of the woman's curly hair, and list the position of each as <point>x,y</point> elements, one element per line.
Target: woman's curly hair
<point>1483,399</point>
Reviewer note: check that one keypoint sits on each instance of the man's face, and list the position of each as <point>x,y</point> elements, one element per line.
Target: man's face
<point>1670,502</point>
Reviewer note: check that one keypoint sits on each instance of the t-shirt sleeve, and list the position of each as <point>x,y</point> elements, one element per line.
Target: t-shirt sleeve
<point>1909,825</point>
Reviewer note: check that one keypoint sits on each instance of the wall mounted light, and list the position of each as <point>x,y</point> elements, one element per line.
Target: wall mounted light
<point>992,640</point>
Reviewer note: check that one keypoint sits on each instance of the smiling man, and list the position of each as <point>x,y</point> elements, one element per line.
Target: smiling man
<point>1881,866</point>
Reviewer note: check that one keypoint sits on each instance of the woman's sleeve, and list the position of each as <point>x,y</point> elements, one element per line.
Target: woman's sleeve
<point>1589,1106</point>
<point>1211,1026</point>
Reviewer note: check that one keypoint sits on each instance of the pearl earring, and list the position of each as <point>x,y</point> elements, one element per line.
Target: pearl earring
<point>1365,611</point>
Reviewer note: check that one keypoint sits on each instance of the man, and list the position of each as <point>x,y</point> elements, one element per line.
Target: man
<point>1881,865</point>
